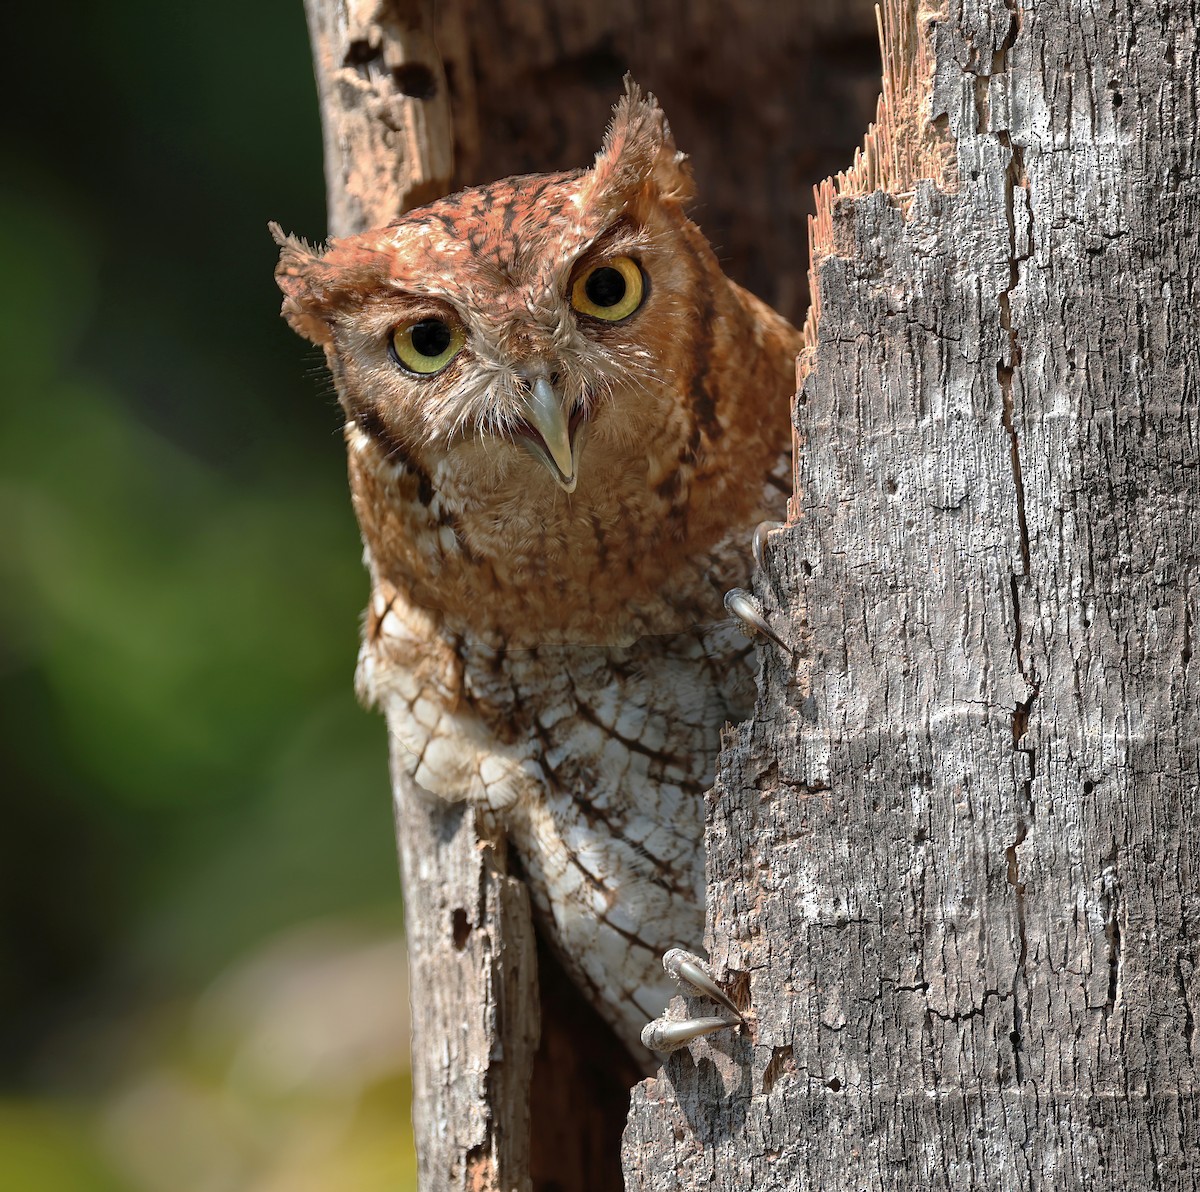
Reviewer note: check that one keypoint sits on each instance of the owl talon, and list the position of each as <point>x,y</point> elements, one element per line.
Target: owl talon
<point>758,544</point>
<point>682,966</point>
<point>667,1034</point>
<point>745,607</point>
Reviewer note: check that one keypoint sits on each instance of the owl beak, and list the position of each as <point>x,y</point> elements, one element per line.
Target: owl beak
<point>544,413</point>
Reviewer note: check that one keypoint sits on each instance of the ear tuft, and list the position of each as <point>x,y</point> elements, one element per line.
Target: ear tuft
<point>299,275</point>
<point>638,157</point>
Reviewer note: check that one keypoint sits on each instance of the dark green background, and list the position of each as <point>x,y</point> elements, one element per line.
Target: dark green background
<point>185,770</point>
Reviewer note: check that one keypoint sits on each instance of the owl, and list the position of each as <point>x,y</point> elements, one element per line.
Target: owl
<point>563,424</point>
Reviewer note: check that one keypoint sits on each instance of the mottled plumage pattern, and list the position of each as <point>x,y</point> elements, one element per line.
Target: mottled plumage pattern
<point>548,638</point>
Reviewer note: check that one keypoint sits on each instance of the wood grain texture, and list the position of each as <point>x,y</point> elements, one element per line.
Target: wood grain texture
<point>381,67</point>
<point>957,871</point>
<point>473,960</point>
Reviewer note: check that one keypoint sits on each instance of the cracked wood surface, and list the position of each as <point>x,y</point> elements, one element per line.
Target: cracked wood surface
<point>955,869</point>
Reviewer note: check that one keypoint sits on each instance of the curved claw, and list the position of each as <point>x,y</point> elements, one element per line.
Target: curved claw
<point>669,1035</point>
<point>681,965</point>
<point>758,544</point>
<point>743,606</point>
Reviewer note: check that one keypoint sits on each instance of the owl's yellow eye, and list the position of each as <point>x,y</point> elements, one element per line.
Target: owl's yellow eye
<point>427,346</point>
<point>611,290</point>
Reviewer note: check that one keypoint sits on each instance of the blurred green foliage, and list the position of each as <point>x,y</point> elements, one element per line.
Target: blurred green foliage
<point>185,769</point>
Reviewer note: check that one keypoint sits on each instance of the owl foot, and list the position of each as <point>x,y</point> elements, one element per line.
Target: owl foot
<point>669,1034</point>
<point>744,605</point>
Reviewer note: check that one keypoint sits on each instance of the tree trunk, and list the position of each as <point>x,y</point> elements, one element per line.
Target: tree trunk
<point>957,867</point>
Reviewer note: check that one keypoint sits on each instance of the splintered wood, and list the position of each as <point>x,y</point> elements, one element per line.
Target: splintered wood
<point>903,143</point>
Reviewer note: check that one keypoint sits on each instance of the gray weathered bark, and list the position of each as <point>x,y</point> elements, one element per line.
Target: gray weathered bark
<point>956,865</point>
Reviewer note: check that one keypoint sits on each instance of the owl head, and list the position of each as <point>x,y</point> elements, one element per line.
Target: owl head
<point>486,337</point>
<point>545,375</point>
